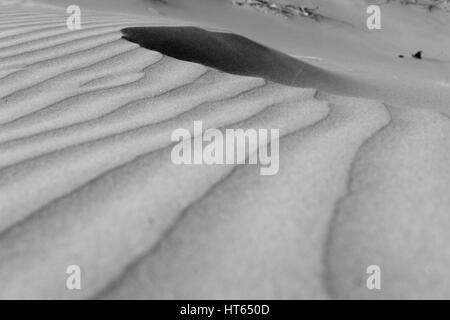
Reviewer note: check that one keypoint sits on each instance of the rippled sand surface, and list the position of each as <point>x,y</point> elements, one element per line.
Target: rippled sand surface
<point>86,178</point>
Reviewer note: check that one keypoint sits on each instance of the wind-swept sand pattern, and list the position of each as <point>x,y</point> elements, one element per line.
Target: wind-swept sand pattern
<point>400,192</point>
<point>86,178</point>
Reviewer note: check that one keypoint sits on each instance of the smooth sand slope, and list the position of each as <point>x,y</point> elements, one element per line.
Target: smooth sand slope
<point>86,178</point>
<point>341,42</point>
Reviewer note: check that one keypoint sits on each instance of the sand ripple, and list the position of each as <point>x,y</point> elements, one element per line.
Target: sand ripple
<point>86,178</point>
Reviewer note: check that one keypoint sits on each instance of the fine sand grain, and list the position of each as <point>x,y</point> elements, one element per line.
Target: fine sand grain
<point>86,176</point>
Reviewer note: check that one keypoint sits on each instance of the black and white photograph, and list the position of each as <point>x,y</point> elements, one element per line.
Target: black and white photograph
<point>218,150</point>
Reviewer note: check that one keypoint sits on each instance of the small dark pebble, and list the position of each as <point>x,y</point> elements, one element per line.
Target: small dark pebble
<point>417,55</point>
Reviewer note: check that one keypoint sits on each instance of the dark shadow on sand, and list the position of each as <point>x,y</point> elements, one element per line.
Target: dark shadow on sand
<point>234,54</point>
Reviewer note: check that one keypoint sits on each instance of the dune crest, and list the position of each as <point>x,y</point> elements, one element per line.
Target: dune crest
<point>232,53</point>
<point>86,176</point>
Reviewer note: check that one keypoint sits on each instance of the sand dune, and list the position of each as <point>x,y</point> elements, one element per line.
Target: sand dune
<point>86,176</point>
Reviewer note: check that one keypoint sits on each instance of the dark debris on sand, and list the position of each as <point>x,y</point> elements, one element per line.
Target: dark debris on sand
<point>285,10</point>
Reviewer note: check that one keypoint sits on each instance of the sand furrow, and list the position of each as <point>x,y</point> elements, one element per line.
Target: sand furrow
<point>48,22</point>
<point>48,69</point>
<point>19,13</point>
<point>131,116</point>
<point>148,219</point>
<point>10,39</point>
<point>241,235</point>
<point>70,84</point>
<point>398,181</point>
<point>95,103</point>
<point>50,41</point>
<point>72,167</point>
<point>20,34</point>
<point>56,51</point>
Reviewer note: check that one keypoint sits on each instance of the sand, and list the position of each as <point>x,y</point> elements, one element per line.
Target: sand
<point>86,176</point>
